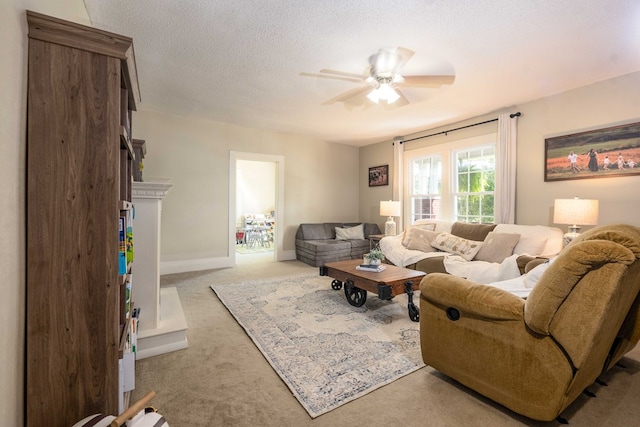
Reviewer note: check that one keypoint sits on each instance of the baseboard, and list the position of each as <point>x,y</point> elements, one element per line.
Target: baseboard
<point>183,266</point>
<point>198,264</point>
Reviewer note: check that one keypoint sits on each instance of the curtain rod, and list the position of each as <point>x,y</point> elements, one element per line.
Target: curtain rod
<point>444,132</point>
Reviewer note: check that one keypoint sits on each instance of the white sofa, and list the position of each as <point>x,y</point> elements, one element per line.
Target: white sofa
<point>526,243</point>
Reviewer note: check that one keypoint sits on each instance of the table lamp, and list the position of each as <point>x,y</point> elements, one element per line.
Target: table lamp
<point>575,211</point>
<point>390,209</point>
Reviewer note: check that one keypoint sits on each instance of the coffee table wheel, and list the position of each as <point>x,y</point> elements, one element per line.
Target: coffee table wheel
<point>336,285</point>
<point>414,312</point>
<point>355,296</point>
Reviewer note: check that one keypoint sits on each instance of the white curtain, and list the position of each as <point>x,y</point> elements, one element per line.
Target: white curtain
<point>506,169</point>
<point>398,177</point>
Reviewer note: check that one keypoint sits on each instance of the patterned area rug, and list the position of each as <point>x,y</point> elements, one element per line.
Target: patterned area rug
<point>326,351</point>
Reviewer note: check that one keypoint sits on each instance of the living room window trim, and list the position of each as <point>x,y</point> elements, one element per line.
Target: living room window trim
<point>447,151</point>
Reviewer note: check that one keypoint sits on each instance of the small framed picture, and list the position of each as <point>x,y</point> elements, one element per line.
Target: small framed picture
<point>600,153</point>
<point>379,175</point>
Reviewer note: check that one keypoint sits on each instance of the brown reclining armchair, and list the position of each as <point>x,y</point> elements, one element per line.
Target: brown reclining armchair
<point>536,356</point>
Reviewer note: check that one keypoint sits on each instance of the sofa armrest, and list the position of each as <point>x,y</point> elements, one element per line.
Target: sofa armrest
<point>526,263</point>
<point>471,299</point>
<point>534,263</point>
<point>431,265</point>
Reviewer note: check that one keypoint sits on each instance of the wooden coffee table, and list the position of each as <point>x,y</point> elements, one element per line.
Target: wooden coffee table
<point>387,284</point>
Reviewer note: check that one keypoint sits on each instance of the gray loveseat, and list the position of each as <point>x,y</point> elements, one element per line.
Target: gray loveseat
<point>316,244</point>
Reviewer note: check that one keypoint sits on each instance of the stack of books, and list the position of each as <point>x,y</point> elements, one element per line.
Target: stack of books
<point>371,267</point>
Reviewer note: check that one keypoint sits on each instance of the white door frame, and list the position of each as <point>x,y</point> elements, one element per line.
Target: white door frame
<point>234,156</point>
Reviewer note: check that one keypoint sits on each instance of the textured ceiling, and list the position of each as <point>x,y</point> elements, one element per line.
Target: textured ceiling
<point>240,61</point>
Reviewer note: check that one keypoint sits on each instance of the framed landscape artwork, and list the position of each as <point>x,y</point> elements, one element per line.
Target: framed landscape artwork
<point>612,151</point>
<point>379,175</point>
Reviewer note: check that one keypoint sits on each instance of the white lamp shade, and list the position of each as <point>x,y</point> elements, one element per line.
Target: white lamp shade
<point>374,96</point>
<point>575,211</point>
<point>387,92</point>
<point>384,92</point>
<point>389,208</point>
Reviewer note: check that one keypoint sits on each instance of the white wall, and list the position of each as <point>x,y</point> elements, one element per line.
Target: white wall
<point>602,104</point>
<point>320,181</point>
<point>595,106</point>
<point>13,102</point>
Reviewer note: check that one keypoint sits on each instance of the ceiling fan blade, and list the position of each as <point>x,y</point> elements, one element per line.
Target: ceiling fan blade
<point>389,61</point>
<point>404,55</point>
<point>402,101</point>
<point>326,76</point>
<point>350,97</point>
<point>427,81</point>
<point>342,73</point>
<point>384,62</point>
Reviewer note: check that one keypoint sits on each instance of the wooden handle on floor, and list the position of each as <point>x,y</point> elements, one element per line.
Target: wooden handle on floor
<point>133,409</point>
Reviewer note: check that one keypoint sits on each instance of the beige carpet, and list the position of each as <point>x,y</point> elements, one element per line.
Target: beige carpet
<point>240,249</point>
<point>222,379</point>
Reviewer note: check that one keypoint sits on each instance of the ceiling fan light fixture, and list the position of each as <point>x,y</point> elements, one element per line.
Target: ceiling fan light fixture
<point>387,93</point>
<point>384,92</point>
<point>374,95</point>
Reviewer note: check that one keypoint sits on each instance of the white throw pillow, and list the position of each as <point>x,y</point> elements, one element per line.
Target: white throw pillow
<point>350,233</point>
<point>530,245</point>
<point>497,246</point>
<point>408,233</point>
<point>447,242</point>
<point>419,239</point>
<point>422,223</point>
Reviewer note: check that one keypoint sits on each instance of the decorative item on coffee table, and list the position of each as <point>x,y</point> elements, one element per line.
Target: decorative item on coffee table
<point>374,257</point>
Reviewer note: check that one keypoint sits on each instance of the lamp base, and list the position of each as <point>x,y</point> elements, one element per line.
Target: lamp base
<point>390,227</point>
<point>574,231</point>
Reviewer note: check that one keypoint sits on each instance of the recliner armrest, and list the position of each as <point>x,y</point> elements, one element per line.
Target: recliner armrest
<point>471,299</point>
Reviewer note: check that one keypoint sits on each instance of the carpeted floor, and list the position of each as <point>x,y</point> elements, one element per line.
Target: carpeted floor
<point>326,351</point>
<point>222,379</point>
<point>241,249</point>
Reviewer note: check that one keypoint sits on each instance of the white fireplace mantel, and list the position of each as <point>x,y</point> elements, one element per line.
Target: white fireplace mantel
<point>162,325</point>
<point>151,190</point>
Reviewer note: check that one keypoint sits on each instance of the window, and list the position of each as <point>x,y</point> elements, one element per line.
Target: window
<point>453,181</point>
<point>427,186</point>
<point>475,184</point>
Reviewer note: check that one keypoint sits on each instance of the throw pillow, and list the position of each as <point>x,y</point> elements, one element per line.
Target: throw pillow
<point>424,224</point>
<point>420,239</point>
<point>530,246</point>
<point>467,249</point>
<point>497,246</point>
<point>350,233</point>
<point>477,232</point>
<point>407,233</point>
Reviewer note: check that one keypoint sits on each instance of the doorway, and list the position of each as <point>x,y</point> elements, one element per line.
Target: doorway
<point>255,205</point>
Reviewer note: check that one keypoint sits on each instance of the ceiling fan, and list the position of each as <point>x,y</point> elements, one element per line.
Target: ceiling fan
<point>382,79</point>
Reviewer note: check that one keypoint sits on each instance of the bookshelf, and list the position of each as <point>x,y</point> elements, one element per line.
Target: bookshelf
<point>81,321</point>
